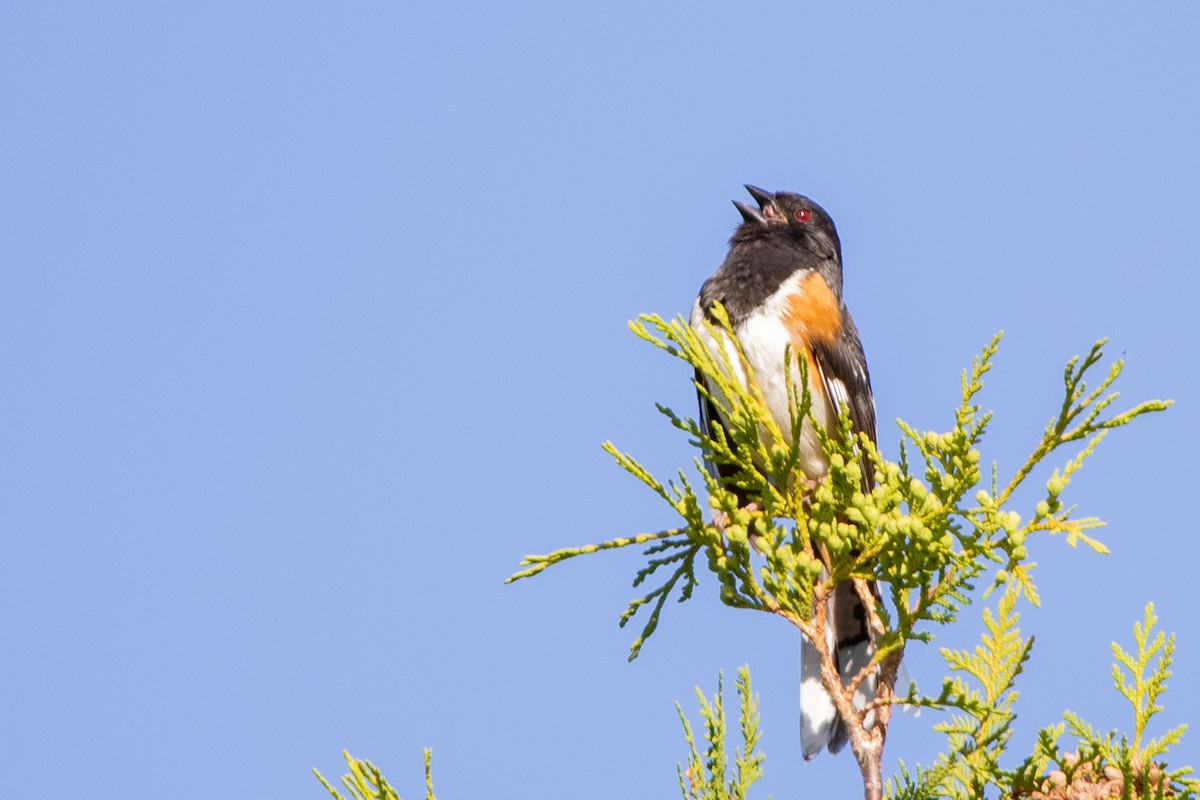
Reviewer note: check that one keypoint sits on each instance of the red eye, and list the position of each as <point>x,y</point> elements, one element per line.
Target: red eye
<point>803,214</point>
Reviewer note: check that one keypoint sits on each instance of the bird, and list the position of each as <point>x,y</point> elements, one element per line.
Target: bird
<point>781,286</point>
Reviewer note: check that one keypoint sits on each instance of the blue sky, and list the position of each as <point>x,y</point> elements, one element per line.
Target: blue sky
<point>312,319</point>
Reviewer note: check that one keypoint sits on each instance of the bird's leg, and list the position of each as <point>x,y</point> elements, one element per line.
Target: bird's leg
<point>752,536</point>
<point>809,485</point>
<point>720,521</point>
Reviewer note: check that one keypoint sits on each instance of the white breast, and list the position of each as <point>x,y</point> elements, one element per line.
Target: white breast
<point>765,339</point>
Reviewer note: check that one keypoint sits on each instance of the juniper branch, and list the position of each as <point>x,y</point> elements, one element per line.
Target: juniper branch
<point>914,532</point>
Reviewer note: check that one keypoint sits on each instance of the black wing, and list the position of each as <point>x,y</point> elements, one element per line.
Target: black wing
<point>709,417</point>
<point>843,370</point>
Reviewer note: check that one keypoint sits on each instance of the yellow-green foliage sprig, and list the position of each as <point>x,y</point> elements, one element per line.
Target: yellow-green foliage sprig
<point>707,775</point>
<point>926,532</point>
<point>1134,770</point>
<point>366,782</point>
<point>915,530</point>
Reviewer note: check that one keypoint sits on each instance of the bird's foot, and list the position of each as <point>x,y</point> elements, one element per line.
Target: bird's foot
<point>720,521</point>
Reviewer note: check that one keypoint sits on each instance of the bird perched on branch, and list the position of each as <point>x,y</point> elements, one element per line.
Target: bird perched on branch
<point>781,285</point>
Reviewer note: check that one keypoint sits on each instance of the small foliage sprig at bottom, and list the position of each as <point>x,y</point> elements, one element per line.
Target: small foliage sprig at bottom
<point>1101,766</point>
<point>707,776</point>
<point>366,782</point>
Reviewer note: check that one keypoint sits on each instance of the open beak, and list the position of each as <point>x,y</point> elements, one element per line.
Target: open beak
<point>749,214</point>
<point>761,196</point>
<point>766,211</point>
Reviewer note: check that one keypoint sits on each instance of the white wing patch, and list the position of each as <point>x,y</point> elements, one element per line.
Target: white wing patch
<point>839,395</point>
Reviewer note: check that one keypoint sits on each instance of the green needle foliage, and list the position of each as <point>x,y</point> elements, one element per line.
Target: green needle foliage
<point>1143,693</point>
<point>707,775</point>
<point>928,532</point>
<point>916,531</point>
<point>978,735</point>
<point>1137,769</point>
<point>366,782</point>
<point>979,732</point>
<point>1098,766</point>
